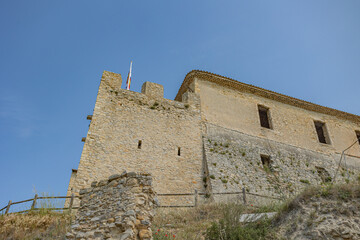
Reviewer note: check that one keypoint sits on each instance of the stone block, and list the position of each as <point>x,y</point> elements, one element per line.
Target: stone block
<point>112,79</point>
<point>153,90</point>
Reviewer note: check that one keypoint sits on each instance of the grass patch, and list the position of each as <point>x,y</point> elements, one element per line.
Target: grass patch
<point>305,181</point>
<point>228,227</point>
<point>204,221</point>
<point>344,192</point>
<point>34,225</point>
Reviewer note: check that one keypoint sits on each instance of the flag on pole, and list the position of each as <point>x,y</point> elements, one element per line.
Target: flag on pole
<point>128,81</point>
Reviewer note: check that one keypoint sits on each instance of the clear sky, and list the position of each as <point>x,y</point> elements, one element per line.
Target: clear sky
<point>52,54</point>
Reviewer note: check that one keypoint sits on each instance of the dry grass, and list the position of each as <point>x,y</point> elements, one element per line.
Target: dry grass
<point>341,192</point>
<point>34,225</point>
<point>192,223</point>
<point>187,223</point>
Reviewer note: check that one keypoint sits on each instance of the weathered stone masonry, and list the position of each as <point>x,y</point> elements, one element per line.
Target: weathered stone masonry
<point>210,138</point>
<point>122,119</point>
<point>119,207</point>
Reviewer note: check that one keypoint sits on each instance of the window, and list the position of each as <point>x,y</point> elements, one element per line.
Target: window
<point>179,151</point>
<point>324,175</point>
<point>322,132</point>
<point>139,144</point>
<point>265,160</point>
<point>358,136</point>
<point>264,117</point>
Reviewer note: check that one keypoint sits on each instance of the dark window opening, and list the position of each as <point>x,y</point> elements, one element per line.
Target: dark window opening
<point>321,132</point>
<point>266,161</point>
<point>139,144</point>
<point>179,152</point>
<point>264,117</point>
<point>358,136</point>
<point>323,174</point>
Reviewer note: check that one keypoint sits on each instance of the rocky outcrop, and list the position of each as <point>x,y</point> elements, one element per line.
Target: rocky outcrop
<point>119,207</point>
<point>331,213</point>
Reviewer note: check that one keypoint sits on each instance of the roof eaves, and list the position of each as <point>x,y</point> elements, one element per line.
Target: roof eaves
<point>233,84</point>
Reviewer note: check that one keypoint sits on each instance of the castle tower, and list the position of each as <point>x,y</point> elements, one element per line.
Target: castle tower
<point>132,131</point>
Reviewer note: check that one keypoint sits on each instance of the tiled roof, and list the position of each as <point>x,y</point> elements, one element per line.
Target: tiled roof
<point>243,87</point>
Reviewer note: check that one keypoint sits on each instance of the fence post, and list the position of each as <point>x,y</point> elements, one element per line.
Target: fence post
<point>196,197</point>
<point>244,195</point>
<point>34,202</point>
<point>71,202</point>
<point>8,207</point>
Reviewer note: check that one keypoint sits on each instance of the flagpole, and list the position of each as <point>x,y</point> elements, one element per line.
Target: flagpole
<point>128,81</point>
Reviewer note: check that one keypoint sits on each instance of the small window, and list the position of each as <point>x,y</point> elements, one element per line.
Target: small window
<point>264,117</point>
<point>139,144</point>
<point>265,160</point>
<point>179,151</point>
<point>358,136</point>
<point>322,132</point>
<point>324,175</point>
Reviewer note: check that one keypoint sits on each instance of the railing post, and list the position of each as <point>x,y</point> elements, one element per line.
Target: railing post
<point>196,198</point>
<point>244,195</point>
<point>8,207</point>
<point>34,202</point>
<point>71,202</point>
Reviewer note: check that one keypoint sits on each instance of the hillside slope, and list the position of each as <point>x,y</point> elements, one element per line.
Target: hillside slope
<point>331,212</point>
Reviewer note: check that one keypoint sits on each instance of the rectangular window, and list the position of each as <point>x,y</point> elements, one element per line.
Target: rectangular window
<point>358,136</point>
<point>322,133</point>
<point>266,162</point>
<point>264,117</point>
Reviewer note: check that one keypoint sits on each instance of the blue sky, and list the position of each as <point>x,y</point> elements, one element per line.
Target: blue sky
<point>52,54</point>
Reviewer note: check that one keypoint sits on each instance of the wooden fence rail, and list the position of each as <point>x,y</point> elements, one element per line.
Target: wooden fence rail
<point>34,200</point>
<point>243,195</point>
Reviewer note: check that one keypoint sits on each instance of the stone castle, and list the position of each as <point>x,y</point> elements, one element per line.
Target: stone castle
<point>218,135</point>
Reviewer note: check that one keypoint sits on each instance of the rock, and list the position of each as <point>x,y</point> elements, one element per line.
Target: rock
<point>69,235</point>
<point>115,176</point>
<point>102,183</point>
<point>132,182</point>
<point>126,235</point>
<point>131,174</point>
<point>144,234</point>
<point>83,191</point>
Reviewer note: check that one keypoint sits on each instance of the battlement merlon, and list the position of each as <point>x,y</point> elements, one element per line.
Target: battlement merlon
<point>114,80</point>
<point>150,89</point>
<point>153,90</point>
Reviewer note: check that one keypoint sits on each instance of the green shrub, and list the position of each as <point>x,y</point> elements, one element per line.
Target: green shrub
<point>229,227</point>
<point>305,181</point>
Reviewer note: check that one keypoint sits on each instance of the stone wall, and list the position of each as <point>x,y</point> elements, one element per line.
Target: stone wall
<point>143,132</point>
<point>119,207</point>
<point>234,162</point>
<point>291,125</point>
<point>175,141</point>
